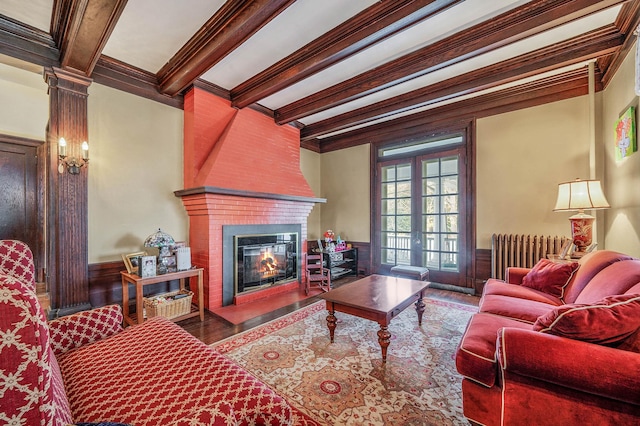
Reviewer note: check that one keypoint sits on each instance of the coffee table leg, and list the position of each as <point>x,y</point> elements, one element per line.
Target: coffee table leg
<point>331,323</point>
<point>383,338</point>
<point>420,310</point>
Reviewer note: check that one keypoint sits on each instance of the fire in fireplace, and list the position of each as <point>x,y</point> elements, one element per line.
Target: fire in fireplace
<point>264,260</point>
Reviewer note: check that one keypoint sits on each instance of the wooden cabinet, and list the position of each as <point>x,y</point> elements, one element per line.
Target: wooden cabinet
<point>342,263</point>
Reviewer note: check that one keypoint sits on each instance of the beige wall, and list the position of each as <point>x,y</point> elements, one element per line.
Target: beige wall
<point>136,164</point>
<point>310,167</point>
<point>621,178</point>
<point>24,103</point>
<point>521,158</point>
<point>345,185</point>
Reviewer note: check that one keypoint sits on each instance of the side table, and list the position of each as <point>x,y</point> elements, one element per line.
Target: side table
<point>139,282</point>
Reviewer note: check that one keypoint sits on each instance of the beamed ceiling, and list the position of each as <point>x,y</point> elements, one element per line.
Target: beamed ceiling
<point>345,72</point>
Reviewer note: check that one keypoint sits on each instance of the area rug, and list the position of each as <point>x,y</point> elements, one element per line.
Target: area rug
<point>346,383</point>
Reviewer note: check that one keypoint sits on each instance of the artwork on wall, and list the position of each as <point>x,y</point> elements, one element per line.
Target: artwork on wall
<point>626,143</point>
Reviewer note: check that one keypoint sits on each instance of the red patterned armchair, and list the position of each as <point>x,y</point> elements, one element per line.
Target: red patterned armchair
<point>86,368</point>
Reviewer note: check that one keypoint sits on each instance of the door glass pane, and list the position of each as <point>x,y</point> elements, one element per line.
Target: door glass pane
<point>388,174</point>
<point>450,204</point>
<point>388,206</point>
<point>404,206</point>
<point>430,168</point>
<point>388,223</point>
<point>430,223</point>
<point>449,223</point>
<point>430,186</point>
<point>404,189</point>
<point>396,214</point>
<point>440,208</point>
<point>450,185</point>
<point>404,172</point>
<point>404,224</point>
<point>449,166</point>
<point>388,190</point>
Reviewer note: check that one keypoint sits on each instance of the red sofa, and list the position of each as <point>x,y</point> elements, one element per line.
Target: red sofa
<point>86,368</point>
<point>558,344</point>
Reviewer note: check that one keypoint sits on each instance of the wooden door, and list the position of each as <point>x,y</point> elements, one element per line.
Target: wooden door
<point>19,206</point>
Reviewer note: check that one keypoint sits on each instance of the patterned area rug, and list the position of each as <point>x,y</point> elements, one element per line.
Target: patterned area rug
<point>346,383</point>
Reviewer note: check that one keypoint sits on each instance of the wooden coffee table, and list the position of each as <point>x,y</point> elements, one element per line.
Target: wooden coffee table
<point>377,298</point>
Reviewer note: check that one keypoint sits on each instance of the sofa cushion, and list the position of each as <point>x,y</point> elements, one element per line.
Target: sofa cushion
<point>615,279</point>
<point>590,265</point>
<point>155,373</point>
<point>550,277</point>
<point>498,287</point>
<point>515,308</point>
<point>476,354</point>
<point>608,322</point>
<point>84,327</point>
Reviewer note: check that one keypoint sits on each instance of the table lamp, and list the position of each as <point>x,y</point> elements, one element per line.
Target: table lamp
<point>580,195</point>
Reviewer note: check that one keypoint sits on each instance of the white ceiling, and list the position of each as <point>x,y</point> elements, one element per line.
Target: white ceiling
<point>150,32</point>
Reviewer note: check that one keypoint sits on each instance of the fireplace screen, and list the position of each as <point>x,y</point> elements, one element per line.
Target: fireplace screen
<point>264,260</point>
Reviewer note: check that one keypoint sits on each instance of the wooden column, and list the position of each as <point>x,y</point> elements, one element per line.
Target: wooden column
<point>67,194</point>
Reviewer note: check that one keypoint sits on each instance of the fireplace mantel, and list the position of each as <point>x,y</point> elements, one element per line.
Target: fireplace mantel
<point>247,194</point>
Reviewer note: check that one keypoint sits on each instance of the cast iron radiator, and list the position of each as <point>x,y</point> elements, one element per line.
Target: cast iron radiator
<point>521,250</point>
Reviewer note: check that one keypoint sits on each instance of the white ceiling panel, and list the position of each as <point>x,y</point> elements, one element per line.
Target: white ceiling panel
<point>150,32</point>
<point>36,13</point>
<point>302,22</point>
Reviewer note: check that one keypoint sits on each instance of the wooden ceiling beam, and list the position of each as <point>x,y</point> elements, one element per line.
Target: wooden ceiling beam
<point>371,26</point>
<point>538,92</point>
<point>529,19</point>
<point>81,29</point>
<point>628,20</point>
<point>579,49</point>
<point>27,43</point>
<point>228,28</point>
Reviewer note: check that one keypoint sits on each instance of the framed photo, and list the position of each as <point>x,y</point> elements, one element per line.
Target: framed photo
<point>131,261</point>
<point>147,266</point>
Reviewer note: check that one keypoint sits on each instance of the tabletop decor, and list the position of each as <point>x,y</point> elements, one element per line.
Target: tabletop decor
<point>163,242</point>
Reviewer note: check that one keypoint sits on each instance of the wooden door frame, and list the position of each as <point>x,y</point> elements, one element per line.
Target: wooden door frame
<point>468,129</point>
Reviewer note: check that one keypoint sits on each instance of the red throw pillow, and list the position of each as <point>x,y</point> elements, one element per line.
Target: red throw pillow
<point>608,322</point>
<point>550,277</point>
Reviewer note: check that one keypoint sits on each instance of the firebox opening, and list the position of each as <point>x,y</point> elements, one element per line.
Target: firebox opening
<point>264,260</point>
<point>257,237</point>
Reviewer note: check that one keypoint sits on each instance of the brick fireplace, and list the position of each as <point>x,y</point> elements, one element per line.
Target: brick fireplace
<point>240,168</point>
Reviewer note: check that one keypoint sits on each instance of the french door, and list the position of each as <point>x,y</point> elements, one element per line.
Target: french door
<point>422,214</point>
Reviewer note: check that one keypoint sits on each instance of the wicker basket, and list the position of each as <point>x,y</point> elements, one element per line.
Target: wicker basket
<point>165,306</point>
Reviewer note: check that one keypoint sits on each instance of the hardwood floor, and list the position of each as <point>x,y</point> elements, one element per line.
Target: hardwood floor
<point>215,328</point>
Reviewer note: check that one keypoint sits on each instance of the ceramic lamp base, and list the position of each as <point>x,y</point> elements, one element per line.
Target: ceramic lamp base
<point>581,231</point>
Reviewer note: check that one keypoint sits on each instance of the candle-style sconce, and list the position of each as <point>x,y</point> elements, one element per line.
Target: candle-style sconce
<point>73,164</point>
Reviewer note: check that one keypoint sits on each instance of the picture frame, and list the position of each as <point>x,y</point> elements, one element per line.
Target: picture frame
<point>625,138</point>
<point>131,261</point>
<point>148,267</point>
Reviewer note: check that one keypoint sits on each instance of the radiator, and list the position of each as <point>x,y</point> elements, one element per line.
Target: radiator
<point>521,250</point>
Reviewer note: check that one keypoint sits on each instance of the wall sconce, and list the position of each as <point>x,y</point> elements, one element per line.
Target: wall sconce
<point>73,164</point>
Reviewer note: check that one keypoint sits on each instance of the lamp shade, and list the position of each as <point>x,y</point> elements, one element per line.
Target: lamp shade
<point>159,239</point>
<point>580,195</point>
